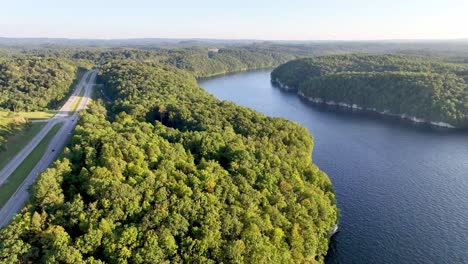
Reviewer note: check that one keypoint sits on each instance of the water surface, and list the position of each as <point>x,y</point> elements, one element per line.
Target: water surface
<point>402,188</point>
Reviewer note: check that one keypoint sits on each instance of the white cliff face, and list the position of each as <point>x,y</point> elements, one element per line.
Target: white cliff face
<point>357,107</point>
<point>417,120</point>
<point>385,112</point>
<point>442,124</point>
<point>283,86</point>
<point>311,99</point>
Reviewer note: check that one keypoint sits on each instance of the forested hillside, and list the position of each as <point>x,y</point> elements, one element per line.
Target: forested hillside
<point>205,61</point>
<point>201,61</point>
<point>166,173</point>
<point>33,83</point>
<point>431,90</point>
<point>30,83</point>
<point>42,78</point>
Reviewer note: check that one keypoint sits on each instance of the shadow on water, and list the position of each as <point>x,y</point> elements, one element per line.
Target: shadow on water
<point>332,249</point>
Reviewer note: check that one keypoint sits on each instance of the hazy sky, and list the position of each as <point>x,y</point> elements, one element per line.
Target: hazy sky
<point>235,19</point>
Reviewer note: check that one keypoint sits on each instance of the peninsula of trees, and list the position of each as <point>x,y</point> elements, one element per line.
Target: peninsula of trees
<point>422,89</point>
<point>160,171</point>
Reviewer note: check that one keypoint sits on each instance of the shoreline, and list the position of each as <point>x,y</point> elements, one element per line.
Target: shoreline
<point>317,100</point>
<point>223,73</point>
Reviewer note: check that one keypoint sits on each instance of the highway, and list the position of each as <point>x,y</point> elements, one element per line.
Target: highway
<point>24,153</point>
<point>57,143</point>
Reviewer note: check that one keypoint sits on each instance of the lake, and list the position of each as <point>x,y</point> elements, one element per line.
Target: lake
<point>402,188</point>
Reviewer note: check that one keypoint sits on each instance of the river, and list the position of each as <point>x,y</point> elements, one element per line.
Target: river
<point>402,188</point>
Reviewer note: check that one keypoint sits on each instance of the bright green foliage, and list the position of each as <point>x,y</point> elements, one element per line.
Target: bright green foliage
<point>169,174</point>
<point>432,90</point>
<point>9,125</point>
<point>30,83</point>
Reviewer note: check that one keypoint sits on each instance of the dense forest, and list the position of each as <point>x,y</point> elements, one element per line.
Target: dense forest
<point>30,83</point>
<point>159,171</point>
<point>209,57</point>
<point>201,61</point>
<point>163,172</point>
<point>427,89</point>
<point>39,78</point>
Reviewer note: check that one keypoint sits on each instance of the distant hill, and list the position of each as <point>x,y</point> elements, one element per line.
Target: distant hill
<point>118,42</point>
<point>457,46</point>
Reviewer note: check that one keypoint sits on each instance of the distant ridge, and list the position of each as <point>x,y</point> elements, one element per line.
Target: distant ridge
<point>119,41</point>
<point>451,47</point>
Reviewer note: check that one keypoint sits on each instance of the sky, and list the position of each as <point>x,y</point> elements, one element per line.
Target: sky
<point>236,19</point>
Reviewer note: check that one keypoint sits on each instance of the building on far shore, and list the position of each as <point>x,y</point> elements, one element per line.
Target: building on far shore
<point>212,52</point>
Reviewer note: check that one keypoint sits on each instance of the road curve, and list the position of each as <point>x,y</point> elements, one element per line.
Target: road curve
<point>57,143</point>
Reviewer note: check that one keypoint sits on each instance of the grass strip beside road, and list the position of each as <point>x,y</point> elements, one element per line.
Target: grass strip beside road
<point>18,176</point>
<point>15,143</point>
<point>38,115</point>
<point>6,117</point>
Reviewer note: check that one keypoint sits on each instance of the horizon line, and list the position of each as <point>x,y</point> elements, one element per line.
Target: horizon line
<point>242,39</point>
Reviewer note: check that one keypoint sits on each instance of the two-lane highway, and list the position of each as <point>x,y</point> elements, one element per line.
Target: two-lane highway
<point>57,143</point>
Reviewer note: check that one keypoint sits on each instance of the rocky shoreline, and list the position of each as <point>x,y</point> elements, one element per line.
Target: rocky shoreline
<point>358,107</point>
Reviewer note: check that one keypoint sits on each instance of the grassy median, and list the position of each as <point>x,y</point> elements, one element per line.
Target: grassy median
<point>88,78</point>
<point>77,101</point>
<point>18,176</point>
<point>15,143</point>
<point>15,132</point>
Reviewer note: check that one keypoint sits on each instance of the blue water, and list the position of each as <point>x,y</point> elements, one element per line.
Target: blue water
<point>402,188</point>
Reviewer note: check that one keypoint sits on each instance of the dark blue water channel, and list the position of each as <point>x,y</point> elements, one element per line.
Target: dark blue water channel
<point>402,188</point>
